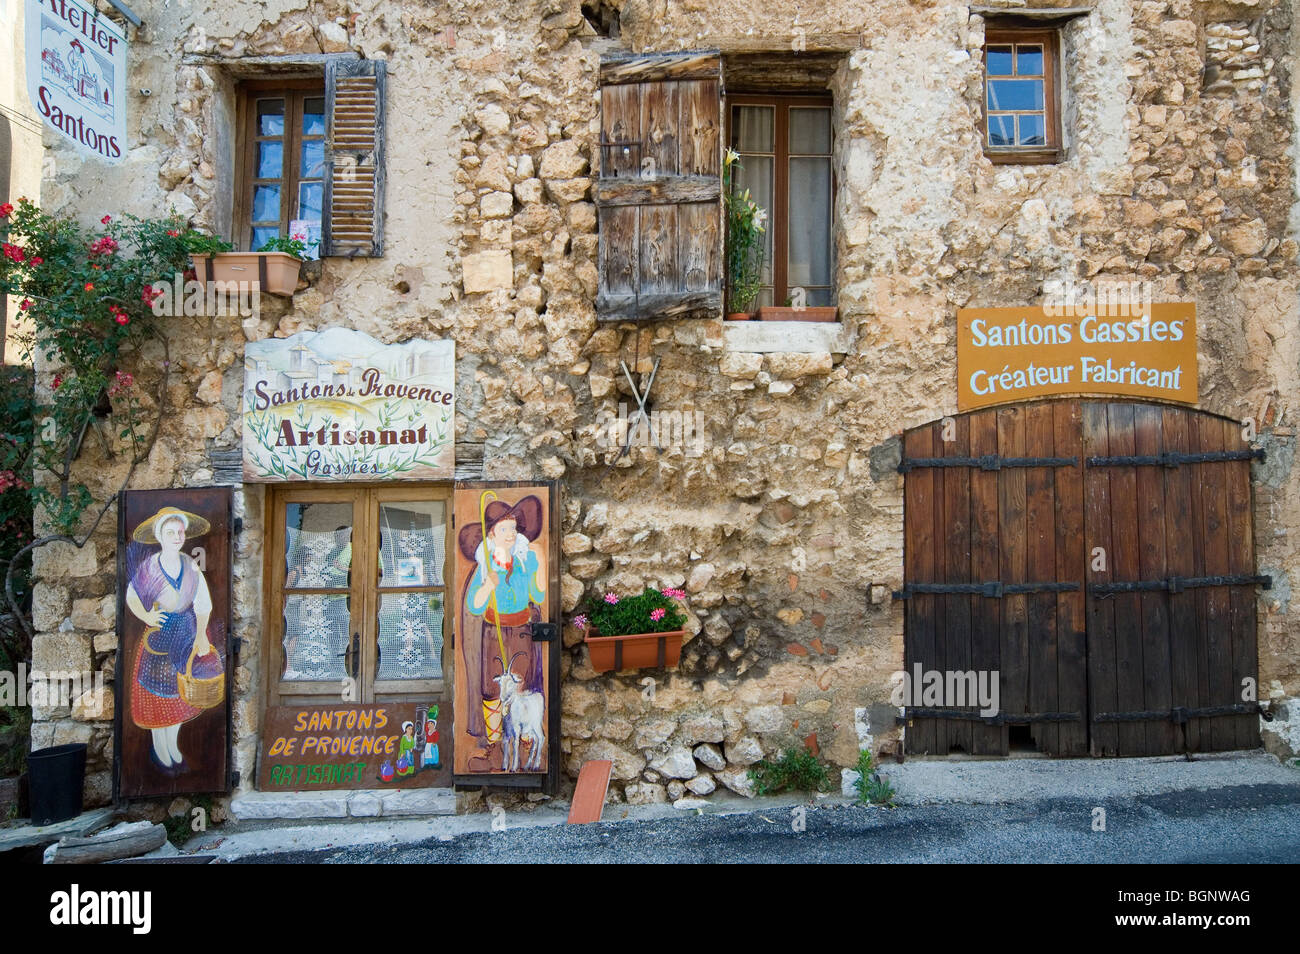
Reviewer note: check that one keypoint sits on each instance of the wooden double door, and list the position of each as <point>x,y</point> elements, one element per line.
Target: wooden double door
<point>1098,557</point>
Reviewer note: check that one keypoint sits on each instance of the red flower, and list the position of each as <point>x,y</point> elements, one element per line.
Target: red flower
<point>90,286</point>
<point>35,260</point>
<point>5,210</point>
<point>58,380</point>
<point>15,253</point>
<point>104,246</point>
<point>24,305</point>
<point>173,233</point>
<point>106,219</point>
<point>121,319</point>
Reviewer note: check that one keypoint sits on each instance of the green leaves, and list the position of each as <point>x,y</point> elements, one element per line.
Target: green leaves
<point>634,614</point>
<point>796,769</point>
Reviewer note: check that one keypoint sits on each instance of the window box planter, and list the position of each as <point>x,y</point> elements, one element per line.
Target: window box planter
<point>276,272</point>
<point>637,651</point>
<point>786,313</point>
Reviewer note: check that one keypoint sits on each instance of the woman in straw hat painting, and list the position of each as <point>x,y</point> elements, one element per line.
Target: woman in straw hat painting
<point>170,596</point>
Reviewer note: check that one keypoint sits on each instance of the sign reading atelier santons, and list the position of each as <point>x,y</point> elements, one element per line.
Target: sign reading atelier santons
<point>339,405</point>
<point>1019,354</point>
<point>76,74</point>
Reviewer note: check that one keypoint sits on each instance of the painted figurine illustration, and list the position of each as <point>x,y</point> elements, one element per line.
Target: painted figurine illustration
<point>429,758</point>
<point>503,596</point>
<point>406,750</point>
<point>177,672</point>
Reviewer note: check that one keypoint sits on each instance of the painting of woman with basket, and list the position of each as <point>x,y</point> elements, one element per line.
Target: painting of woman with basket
<point>176,672</point>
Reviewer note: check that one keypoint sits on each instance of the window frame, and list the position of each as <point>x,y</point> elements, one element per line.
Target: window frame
<point>1054,149</point>
<point>293,92</point>
<point>783,103</point>
<point>367,500</point>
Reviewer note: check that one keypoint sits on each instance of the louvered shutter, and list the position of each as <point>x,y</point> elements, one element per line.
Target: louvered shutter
<point>353,224</point>
<point>659,191</point>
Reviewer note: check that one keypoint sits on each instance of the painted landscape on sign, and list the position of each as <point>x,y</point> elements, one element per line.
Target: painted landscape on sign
<point>339,405</point>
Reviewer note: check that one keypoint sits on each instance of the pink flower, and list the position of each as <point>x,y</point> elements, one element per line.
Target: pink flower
<point>5,210</point>
<point>657,614</point>
<point>121,319</point>
<point>106,219</point>
<point>104,246</point>
<point>674,593</point>
<point>611,598</point>
<point>581,621</point>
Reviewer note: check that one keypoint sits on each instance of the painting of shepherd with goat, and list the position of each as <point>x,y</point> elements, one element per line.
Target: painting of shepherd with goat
<point>502,574</point>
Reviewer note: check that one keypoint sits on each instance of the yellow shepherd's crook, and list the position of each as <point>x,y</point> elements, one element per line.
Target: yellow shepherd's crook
<point>487,553</point>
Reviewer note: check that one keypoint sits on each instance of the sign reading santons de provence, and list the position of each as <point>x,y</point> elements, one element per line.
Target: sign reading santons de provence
<point>76,74</point>
<point>1019,354</point>
<point>339,405</point>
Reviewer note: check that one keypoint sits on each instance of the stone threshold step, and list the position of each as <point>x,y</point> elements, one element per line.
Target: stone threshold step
<point>363,803</point>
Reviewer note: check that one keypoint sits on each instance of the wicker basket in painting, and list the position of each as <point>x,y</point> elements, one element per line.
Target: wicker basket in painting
<point>207,688</point>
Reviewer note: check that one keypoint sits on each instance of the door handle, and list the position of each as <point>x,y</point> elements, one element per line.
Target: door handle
<point>354,652</point>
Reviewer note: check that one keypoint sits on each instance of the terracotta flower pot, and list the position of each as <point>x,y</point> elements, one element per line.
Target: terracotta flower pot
<point>786,313</point>
<point>279,277</point>
<point>739,316</point>
<point>637,651</point>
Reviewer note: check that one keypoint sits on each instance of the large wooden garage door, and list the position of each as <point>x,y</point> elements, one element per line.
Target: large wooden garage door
<point>1099,558</point>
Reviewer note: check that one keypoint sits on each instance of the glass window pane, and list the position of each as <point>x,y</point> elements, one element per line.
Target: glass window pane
<point>270,117</point>
<point>313,159</point>
<point>313,116</point>
<point>410,636</point>
<point>819,298</point>
<point>263,235</point>
<point>997,61</point>
<point>315,636</point>
<point>810,222</point>
<point>753,129</point>
<point>266,203</point>
<point>318,543</point>
<point>270,159</point>
<point>412,541</point>
<point>810,131</point>
<point>1002,130</point>
<point>310,196</point>
<point>1031,131</point>
<point>1029,60</point>
<point>1015,94</point>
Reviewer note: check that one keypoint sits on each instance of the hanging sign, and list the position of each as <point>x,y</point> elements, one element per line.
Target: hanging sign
<point>1006,355</point>
<point>76,74</point>
<point>339,405</point>
<point>376,746</point>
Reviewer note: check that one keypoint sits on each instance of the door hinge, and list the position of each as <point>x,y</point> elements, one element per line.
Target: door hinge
<point>1174,458</point>
<point>987,462</point>
<point>995,589</point>
<point>1176,584</point>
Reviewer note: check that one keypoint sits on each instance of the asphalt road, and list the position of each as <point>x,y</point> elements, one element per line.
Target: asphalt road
<point>1244,824</point>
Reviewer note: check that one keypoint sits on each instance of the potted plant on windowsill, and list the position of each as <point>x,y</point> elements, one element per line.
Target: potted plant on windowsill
<point>746,243</point>
<point>275,266</point>
<point>634,632</point>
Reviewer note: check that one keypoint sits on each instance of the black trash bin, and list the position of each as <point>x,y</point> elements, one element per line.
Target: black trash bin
<point>57,776</point>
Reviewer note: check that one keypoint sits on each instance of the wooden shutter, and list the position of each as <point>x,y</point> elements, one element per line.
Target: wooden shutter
<point>353,224</point>
<point>659,192</point>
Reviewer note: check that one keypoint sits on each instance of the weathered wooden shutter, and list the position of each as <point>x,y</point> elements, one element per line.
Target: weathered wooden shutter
<point>353,224</point>
<point>659,192</point>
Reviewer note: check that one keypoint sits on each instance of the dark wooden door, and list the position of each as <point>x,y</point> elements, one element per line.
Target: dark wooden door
<point>1039,541</point>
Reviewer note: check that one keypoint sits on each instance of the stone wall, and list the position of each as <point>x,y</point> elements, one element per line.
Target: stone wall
<point>787,529</point>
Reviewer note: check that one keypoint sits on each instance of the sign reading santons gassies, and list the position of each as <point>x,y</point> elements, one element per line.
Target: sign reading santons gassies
<point>76,74</point>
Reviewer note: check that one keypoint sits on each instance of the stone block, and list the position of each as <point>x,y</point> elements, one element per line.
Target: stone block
<point>487,271</point>
<point>645,793</point>
<point>365,805</point>
<point>563,160</point>
<point>56,561</point>
<point>738,781</point>
<point>627,765</point>
<point>497,205</point>
<point>710,756</point>
<point>744,751</point>
<point>272,805</point>
<point>789,365</point>
<point>702,784</point>
<point>702,727</point>
<point>50,606</point>
<point>765,719</point>
<point>95,615</point>
<point>61,652</point>
<point>741,364</point>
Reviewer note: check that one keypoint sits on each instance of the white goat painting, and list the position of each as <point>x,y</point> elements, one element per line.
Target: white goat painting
<point>522,715</point>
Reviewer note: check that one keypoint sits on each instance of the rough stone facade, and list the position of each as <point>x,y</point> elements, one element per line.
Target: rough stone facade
<point>787,530</point>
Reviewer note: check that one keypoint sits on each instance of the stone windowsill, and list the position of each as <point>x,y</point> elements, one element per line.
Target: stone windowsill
<point>809,337</point>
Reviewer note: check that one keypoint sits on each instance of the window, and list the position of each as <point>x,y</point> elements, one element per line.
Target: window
<point>282,189</point>
<point>784,143</point>
<point>356,590</point>
<point>1021,97</point>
